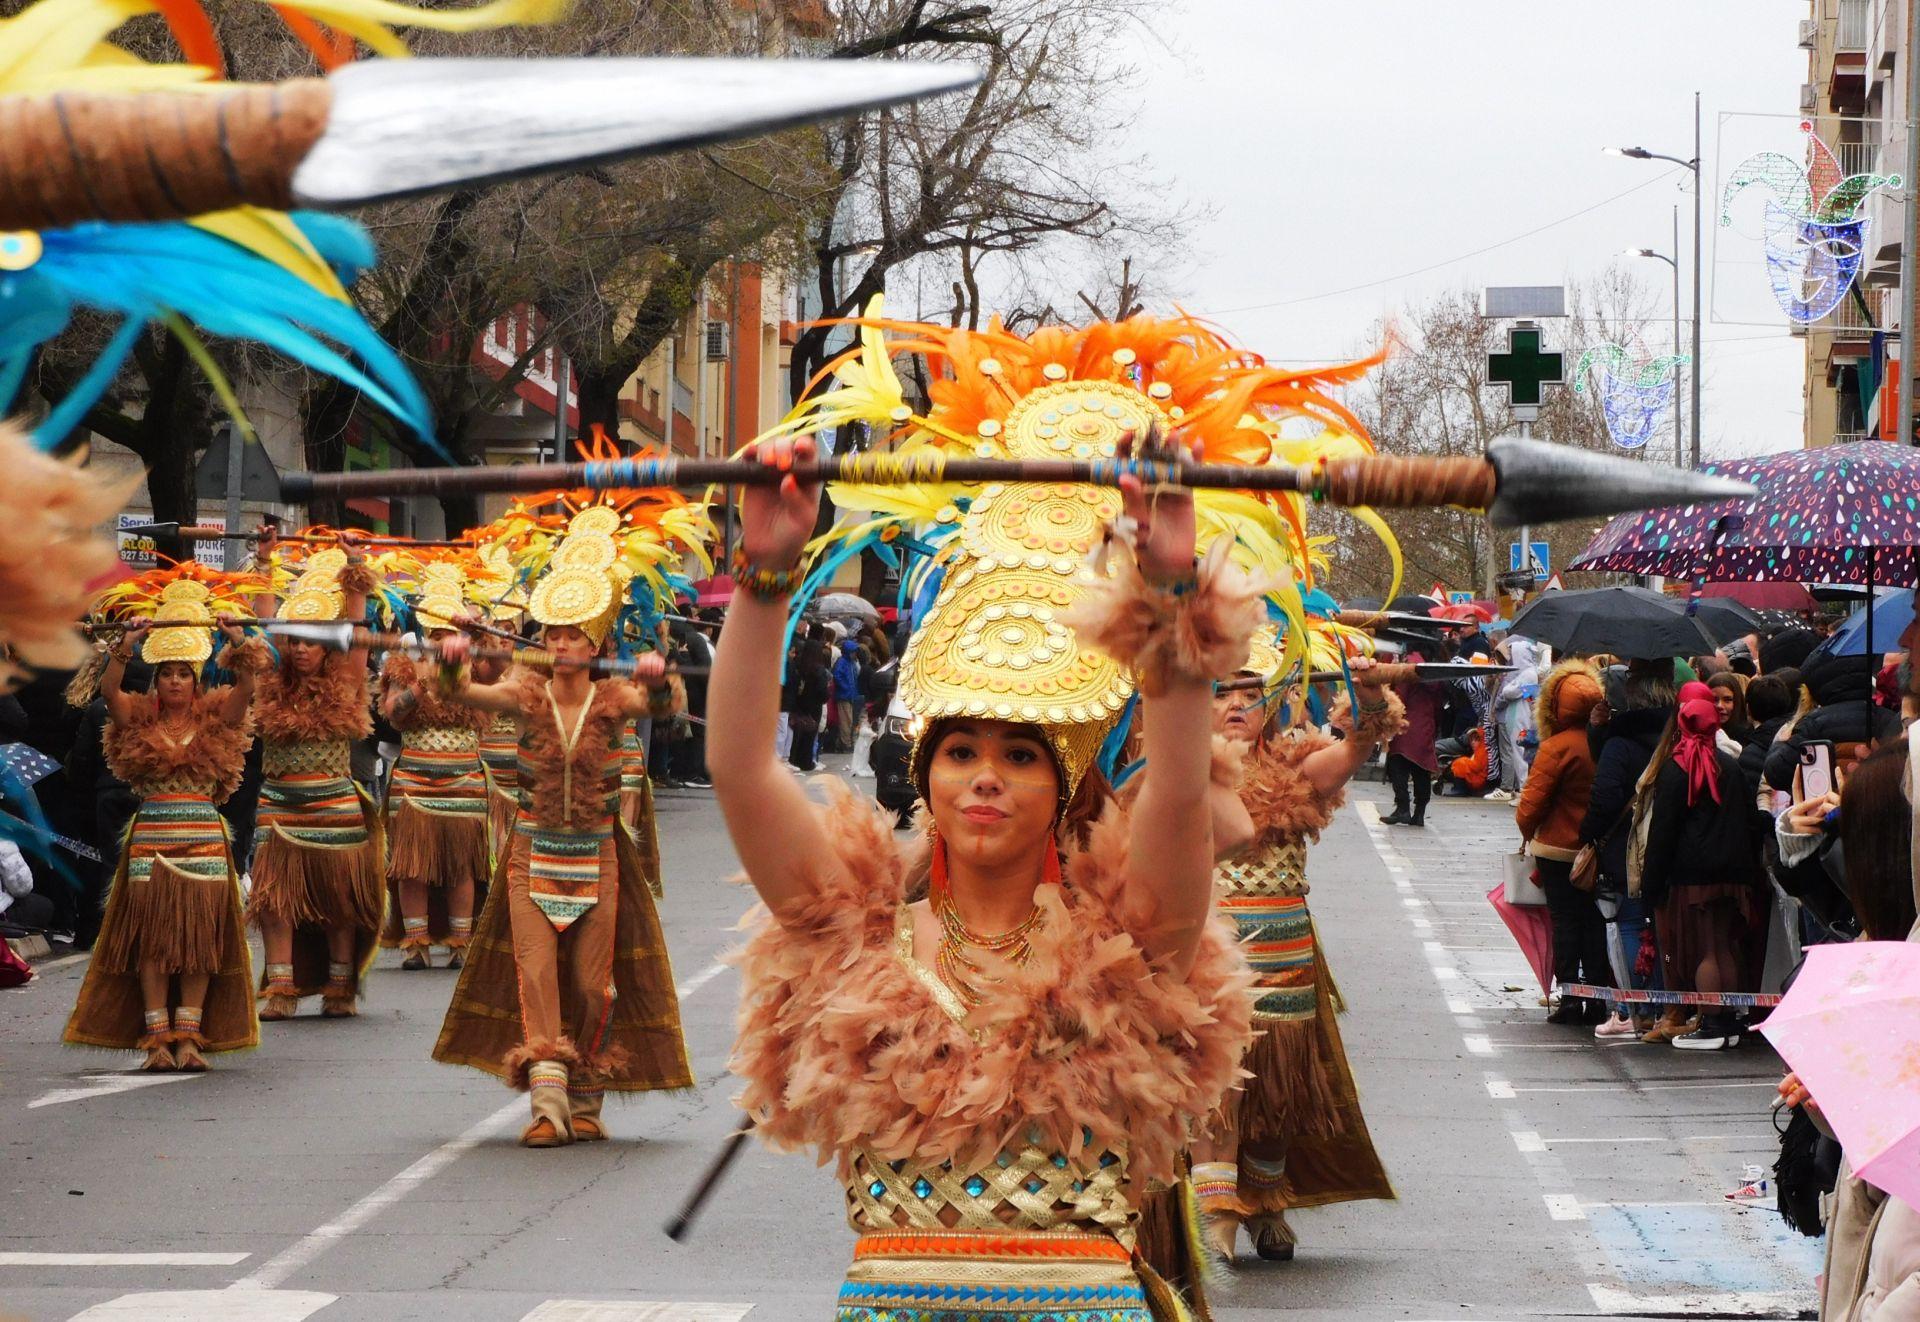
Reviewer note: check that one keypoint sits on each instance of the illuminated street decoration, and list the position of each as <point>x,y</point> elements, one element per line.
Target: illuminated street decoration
<point>1635,394</point>
<point>1813,240</point>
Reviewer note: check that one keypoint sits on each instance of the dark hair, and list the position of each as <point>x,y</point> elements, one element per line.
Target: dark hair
<point>1876,836</point>
<point>1770,697</point>
<point>1733,684</point>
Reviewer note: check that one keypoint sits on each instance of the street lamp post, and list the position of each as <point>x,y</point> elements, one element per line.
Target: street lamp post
<point>1642,154</point>
<point>1679,460</point>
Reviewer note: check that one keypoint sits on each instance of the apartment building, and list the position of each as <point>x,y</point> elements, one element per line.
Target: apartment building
<point>1855,96</point>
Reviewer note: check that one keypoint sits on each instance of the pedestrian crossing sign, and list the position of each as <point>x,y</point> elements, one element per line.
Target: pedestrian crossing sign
<point>1537,565</point>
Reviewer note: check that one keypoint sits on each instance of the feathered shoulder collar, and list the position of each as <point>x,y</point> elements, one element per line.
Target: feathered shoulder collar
<point>329,704</point>
<point>842,1046</point>
<point>140,751</point>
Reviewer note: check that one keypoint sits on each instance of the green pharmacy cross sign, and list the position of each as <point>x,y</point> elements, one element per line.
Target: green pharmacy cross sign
<point>1523,369</point>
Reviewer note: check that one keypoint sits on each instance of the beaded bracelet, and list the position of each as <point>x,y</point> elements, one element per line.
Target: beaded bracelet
<point>764,584</point>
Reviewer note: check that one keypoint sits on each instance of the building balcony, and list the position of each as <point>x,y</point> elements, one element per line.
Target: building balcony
<point>1854,31</point>
<point>1847,81</point>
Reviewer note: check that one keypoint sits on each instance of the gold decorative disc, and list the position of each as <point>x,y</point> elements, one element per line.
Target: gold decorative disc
<point>184,589</point>
<point>330,561</point>
<point>595,520</point>
<point>315,605</point>
<point>1039,526</point>
<point>589,551</point>
<point>1077,420</point>
<point>572,595</point>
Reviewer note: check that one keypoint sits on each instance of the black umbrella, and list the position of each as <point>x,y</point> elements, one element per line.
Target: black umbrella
<point>1638,623</point>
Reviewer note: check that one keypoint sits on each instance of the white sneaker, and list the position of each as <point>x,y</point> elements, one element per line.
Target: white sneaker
<point>1757,1191</point>
<point>1617,1028</point>
<point>1499,796</point>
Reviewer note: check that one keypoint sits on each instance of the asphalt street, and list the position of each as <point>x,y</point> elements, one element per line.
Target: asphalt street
<point>339,1174</point>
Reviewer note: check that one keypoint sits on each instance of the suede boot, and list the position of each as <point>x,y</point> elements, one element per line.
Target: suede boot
<point>547,1093</point>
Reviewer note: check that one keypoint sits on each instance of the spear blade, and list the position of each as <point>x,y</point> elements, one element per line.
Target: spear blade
<point>335,637</point>
<point>404,127</point>
<point>1544,483</point>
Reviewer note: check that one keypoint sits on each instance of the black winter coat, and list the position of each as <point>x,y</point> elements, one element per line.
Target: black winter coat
<point>1845,722</point>
<point>1622,748</point>
<point>1754,750</point>
<point>1701,844</point>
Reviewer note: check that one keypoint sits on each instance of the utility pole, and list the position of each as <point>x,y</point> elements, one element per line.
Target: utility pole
<point>1699,189</point>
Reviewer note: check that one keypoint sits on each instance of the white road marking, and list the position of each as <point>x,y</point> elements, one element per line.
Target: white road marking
<point>1445,972</point>
<point>122,1259</point>
<point>1653,1087</point>
<point>1455,1005</point>
<point>304,1250</point>
<point>65,961</point>
<point>1750,1303</point>
<point>595,1310</point>
<point>699,980</point>
<point>1528,1141</point>
<point>105,1085</point>
<point>1664,1138</point>
<point>1478,1045</point>
<point>1500,1090</point>
<point>209,1306</point>
<point>1412,903</point>
<point>1564,1207</point>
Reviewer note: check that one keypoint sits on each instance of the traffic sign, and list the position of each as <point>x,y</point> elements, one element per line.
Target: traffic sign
<point>1538,567</point>
<point>1461,598</point>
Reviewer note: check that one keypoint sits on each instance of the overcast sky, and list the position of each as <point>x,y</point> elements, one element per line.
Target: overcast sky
<point>1352,142</point>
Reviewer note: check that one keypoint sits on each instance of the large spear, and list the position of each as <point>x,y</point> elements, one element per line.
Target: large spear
<point>381,129</point>
<point>189,532</point>
<point>1519,482</point>
<point>342,636</point>
<point>1393,672</point>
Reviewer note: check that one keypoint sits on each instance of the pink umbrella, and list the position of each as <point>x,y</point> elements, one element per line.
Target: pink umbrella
<point>1765,596</point>
<point>1532,927</point>
<point>1850,1028</point>
<point>715,591</point>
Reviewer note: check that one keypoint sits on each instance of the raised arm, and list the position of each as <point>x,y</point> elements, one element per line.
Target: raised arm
<point>776,830</point>
<point>354,583</point>
<point>119,705</point>
<point>458,684</point>
<point>240,697</point>
<point>1170,855</point>
<point>1330,768</point>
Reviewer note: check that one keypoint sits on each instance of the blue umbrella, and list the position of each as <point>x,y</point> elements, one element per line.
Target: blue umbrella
<point>1890,616</point>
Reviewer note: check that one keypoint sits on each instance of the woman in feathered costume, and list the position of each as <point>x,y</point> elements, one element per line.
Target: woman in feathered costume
<point>1002,1031</point>
<point>170,973</point>
<point>319,868</point>
<point>1295,1135</point>
<point>438,851</point>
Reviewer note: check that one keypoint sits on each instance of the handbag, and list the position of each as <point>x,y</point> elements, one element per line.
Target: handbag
<point>1585,875</point>
<point>1521,887</point>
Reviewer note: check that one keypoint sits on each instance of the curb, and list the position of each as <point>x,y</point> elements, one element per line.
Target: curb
<point>30,948</point>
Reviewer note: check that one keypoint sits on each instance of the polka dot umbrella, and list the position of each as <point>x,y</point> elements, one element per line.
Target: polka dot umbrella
<point>1841,514</point>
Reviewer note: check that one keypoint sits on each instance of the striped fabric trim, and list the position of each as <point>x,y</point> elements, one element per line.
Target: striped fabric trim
<point>1277,935</point>
<point>563,869</point>
<point>315,809</point>
<point>958,1276</point>
<point>185,830</point>
<point>450,783</point>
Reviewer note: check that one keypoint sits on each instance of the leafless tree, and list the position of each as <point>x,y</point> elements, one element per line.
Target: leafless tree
<point>991,176</point>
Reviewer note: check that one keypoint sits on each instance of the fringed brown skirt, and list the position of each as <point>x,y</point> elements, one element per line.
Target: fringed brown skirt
<point>319,864</point>
<point>1696,918</point>
<point>1296,1131</point>
<point>174,905</point>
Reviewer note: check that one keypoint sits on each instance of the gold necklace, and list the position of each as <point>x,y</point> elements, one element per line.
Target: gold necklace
<point>951,962</point>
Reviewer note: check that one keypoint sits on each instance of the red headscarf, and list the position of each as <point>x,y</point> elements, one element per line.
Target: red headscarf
<point>1693,745</point>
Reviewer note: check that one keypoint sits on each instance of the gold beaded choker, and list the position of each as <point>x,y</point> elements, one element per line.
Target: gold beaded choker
<point>953,965</point>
